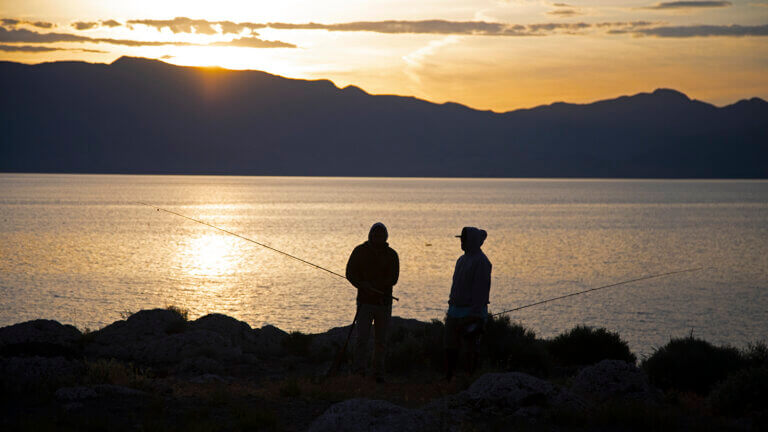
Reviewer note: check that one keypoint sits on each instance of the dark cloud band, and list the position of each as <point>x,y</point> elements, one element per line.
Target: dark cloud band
<point>704,31</point>
<point>38,49</point>
<point>689,5</point>
<point>10,22</point>
<point>28,36</point>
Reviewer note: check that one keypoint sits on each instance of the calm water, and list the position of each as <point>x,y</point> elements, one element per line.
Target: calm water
<point>78,249</point>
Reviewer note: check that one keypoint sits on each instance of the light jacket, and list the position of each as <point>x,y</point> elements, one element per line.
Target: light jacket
<point>472,275</point>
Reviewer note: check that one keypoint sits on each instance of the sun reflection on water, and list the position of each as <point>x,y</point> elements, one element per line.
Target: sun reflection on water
<point>210,255</point>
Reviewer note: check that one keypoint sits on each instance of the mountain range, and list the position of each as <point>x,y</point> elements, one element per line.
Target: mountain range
<point>145,116</point>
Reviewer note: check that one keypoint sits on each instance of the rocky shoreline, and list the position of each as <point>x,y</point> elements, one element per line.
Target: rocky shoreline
<point>156,370</point>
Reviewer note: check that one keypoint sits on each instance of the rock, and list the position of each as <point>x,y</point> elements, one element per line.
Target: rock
<point>238,333</point>
<point>612,379</point>
<point>209,378</point>
<point>79,393</point>
<point>200,365</point>
<point>124,339</point>
<point>111,390</point>
<point>326,345</point>
<point>269,340</point>
<point>190,344</point>
<point>512,391</point>
<point>37,370</point>
<point>370,415</point>
<point>132,338</point>
<point>39,337</point>
<point>68,394</point>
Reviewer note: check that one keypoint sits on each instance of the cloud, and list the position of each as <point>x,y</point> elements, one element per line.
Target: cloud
<point>701,31</point>
<point>36,49</point>
<point>42,24</point>
<point>24,35</point>
<point>470,28</point>
<point>564,12</point>
<point>28,36</point>
<point>253,42</point>
<point>189,25</point>
<point>12,22</point>
<point>417,60</point>
<point>80,25</point>
<point>689,5</point>
<point>417,27</point>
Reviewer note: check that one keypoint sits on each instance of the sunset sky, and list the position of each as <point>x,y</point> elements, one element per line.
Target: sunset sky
<point>487,54</point>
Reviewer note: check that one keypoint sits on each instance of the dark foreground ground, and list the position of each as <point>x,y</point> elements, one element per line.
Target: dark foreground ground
<point>156,370</point>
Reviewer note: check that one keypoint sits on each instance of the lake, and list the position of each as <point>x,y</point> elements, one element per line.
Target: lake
<point>81,250</point>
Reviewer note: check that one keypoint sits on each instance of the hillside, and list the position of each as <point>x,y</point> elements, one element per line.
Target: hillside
<point>145,116</point>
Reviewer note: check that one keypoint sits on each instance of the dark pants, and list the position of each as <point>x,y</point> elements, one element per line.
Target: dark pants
<point>379,316</point>
<point>464,333</point>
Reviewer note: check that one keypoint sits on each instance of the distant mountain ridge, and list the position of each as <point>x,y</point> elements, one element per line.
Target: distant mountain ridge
<point>145,116</point>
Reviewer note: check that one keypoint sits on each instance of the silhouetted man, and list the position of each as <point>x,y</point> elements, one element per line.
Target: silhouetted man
<point>373,268</point>
<point>468,303</point>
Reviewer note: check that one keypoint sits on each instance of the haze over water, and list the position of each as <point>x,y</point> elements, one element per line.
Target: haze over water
<point>79,249</point>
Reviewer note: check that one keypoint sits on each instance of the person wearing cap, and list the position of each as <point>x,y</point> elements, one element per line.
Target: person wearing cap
<point>373,268</point>
<point>468,302</point>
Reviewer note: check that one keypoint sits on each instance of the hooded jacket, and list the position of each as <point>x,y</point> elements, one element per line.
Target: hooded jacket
<point>472,275</point>
<point>376,264</point>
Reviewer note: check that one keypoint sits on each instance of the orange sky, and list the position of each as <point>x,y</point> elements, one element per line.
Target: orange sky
<point>488,54</point>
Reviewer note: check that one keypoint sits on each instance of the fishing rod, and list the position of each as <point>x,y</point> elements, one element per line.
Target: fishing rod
<point>599,288</point>
<point>258,243</point>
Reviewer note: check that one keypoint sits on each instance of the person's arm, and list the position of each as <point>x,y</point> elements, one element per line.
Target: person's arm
<point>353,269</point>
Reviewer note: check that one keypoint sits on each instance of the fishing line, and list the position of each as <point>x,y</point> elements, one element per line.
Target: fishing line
<point>599,288</point>
<point>254,241</point>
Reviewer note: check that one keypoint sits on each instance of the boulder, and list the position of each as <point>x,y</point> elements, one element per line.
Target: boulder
<point>326,345</point>
<point>41,337</point>
<point>78,393</point>
<point>512,391</point>
<point>123,339</point>
<point>190,344</point>
<point>238,333</point>
<point>269,340</point>
<point>612,379</point>
<point>31,371</point>
<point>370,415</point>
<point>198,365</point>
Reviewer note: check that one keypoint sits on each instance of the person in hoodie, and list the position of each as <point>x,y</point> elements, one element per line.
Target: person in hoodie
<point>373,268</point>
<point>468,303</point>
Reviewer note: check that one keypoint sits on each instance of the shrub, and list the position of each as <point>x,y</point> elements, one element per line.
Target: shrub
<point>584,345</point>
<point>181,312</point>
<point>743,392</point>
<point>756,354</point>
<point>416,349</point>
<point>111,371</point>
<point>691,364</point>
<point>511,346</point>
